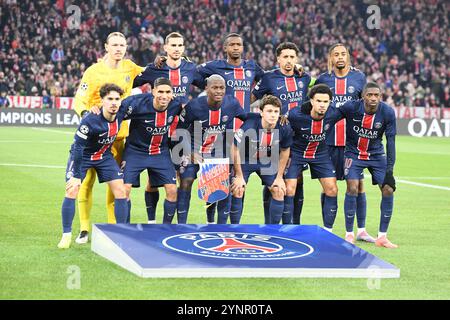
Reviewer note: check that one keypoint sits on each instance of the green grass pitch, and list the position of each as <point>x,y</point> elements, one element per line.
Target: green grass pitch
<point>31,266</point>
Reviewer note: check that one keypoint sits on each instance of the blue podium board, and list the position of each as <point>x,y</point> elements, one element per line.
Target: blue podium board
<point>190,250</point>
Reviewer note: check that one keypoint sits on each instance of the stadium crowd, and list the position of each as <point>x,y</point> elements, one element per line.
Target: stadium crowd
<point>42,54</point>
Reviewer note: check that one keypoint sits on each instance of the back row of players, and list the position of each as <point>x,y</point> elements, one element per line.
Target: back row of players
<point>314,135</point>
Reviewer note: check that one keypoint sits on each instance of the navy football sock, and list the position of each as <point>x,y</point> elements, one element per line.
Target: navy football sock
<point>387,205</point>
<point>129,211</point>
<point>298,204</point>
<point>276,211</point>
<point>329,211</point>
<point>183,202</point>
<point>288,209</point>
<point>349,211</point>
<point>67,213</point>
<point>235,210</point>
<point>151,201</point>
<point>223,211</point>
<point>211,212</point>
<point>169,211</point>
<point>361,210</point>
<point>266,203</point>
<point>121,210</point>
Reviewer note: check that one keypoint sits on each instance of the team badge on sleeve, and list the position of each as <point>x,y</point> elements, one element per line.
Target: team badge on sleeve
<point>84,129</point>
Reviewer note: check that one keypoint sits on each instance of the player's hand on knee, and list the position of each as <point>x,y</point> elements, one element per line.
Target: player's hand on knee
<point>389,180</point>
<point>73,185</point>
<point>238,184</point>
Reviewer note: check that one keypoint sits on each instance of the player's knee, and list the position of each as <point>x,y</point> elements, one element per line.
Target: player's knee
<point>238,194</point>
<point>290,189</point>
<point>127,188</point>
<point>352,189</point>
<point>171,192</point>
<point>120,192</point>
<point>186,184</point>
<point>361,186</point>
<point>387,191</point>
<point>331,190</point>
<point>72,193</point>
<point>278,194</point>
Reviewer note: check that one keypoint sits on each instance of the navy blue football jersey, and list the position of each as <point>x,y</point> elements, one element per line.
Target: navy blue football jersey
<point>214,123</point>
<point>344,89</point>
<point>239,80</point>
<point>149,128</point>
<point>258,142</point>
<point>365,131</point>
<point>309,134</point>
<point>291,90</point>
<point>181,78</point>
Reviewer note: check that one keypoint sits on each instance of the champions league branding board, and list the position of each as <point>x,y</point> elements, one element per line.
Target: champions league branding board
<point>275,251</point>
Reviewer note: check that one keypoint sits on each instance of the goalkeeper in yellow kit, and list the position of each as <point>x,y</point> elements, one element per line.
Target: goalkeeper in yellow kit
<point>113,68</point>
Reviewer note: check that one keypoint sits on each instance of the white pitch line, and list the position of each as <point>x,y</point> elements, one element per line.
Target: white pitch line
<point>52,130</point>
<point>31,165</point>
<point>426,185</point>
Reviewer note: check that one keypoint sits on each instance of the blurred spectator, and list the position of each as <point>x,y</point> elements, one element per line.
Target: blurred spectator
<point>408,55</point>
<point>4,102</point>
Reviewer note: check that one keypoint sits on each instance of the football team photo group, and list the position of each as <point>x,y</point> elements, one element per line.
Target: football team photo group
<point>224,149</point>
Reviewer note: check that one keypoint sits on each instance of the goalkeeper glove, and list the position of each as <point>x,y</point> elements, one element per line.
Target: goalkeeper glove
<point>389,180</point>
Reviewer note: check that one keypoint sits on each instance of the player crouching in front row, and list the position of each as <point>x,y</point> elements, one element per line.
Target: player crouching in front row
<point>92,149</point>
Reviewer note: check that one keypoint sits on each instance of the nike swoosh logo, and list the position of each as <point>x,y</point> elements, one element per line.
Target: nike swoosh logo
<point>147,121</point>
<point>119,174</point>
<point>229,72</point>
<point>305,128</point>
<point>357,120</point>
<point>174,179</point>
<point>202,121</point>
<point>102,134</point>
<point>278,88</point>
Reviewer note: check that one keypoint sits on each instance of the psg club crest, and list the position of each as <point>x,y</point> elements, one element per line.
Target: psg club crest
<point>185,79</point>
<point>378,125</point>
<point>248,73</point>
<point>351,89</point>
<point>213,182</point>
<point>237,245</point>
<point>300,84</point>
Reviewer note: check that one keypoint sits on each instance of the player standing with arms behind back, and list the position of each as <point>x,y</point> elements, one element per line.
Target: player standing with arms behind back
<point>368,119</point>
<point>346,83</point>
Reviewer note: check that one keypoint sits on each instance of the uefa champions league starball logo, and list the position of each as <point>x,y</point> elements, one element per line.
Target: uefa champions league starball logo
<point>239,245</point>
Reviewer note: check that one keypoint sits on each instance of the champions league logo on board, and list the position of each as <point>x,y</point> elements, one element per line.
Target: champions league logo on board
<point>240,246</point>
